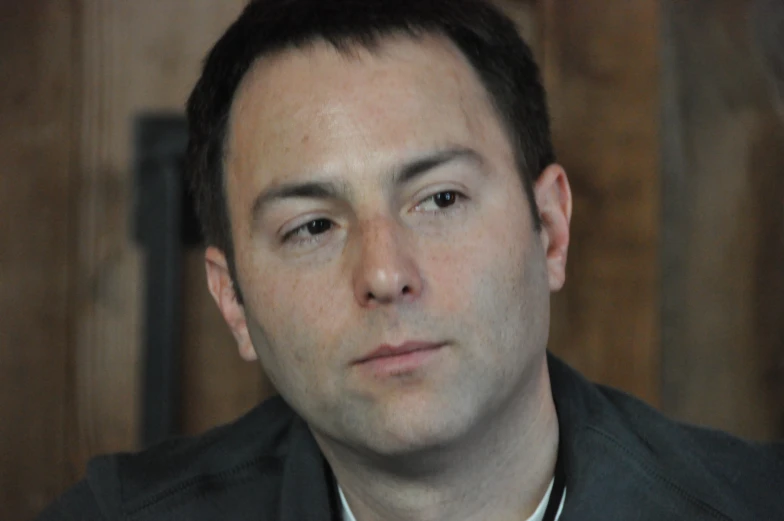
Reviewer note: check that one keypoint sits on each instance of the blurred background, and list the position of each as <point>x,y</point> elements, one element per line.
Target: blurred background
<point>667,115</point>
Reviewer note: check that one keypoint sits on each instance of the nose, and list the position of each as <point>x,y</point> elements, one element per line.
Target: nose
<point>386,271</point>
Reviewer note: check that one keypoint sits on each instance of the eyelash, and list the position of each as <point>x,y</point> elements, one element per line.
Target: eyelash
<point>289,236</point>
<point>459,199</point>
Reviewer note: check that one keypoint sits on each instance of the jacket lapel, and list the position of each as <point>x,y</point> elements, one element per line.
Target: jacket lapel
<point>308,489</point>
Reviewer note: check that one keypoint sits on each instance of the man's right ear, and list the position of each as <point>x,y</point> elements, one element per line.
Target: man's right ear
<point>222,290</point>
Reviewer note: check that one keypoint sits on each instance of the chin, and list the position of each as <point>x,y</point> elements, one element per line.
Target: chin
<point>406,428</point>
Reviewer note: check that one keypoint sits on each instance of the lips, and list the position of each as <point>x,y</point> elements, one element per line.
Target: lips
<point>390,351</point>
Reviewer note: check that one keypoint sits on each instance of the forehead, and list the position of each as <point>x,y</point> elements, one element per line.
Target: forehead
<point>318,108</point>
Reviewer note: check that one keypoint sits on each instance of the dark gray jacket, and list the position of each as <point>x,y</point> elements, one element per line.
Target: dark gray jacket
<point>623,461</point>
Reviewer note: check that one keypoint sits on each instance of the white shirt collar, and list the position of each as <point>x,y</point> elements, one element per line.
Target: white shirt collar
<point>536,516</point>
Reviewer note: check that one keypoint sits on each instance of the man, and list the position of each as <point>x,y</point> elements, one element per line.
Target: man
<point>386,221</point>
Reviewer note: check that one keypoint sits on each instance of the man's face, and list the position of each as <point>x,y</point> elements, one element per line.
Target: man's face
<point>375,203</point>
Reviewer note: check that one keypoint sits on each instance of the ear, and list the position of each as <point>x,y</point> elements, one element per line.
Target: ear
<point>222,290</point>
<point>554,200</point>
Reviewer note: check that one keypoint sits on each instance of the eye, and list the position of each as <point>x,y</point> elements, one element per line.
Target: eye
<point>440,200</point>
<point>309,230</point>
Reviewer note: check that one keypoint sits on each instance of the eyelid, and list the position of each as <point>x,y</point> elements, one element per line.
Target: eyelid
<point>297,223</point>
<point>433,190</point>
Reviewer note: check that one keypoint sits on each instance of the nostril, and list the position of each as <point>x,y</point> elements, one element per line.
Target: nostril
<point>406,290</point>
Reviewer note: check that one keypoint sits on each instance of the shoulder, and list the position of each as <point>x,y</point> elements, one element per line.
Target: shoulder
<point>721,470</point>
<point>246,454</point>
<point>716,453</point>
<point>636,447</point>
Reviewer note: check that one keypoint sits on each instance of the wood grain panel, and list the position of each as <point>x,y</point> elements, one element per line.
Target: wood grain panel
<point>768,35</point>
<point>601,73</point>
<point>138,57</point>
<point>724,222</point>
<point>35,224</point>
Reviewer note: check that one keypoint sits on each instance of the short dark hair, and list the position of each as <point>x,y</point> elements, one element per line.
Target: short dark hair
<point>485,36</point>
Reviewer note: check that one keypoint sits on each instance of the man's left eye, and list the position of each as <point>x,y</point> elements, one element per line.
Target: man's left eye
<point>440,200</point>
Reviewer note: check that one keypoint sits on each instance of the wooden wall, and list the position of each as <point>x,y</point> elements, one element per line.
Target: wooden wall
<point>662,117</point>
<point>723,229</point>
<point>74,76</point>
<point>601,71</point>
<point>138,57</point>
<point>36,167</point>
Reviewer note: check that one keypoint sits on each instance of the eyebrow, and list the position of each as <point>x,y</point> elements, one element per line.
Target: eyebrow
<point>404,174</point>
<point>420,166</point>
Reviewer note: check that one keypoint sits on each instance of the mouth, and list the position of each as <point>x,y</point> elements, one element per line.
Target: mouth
<point>390,351</point>
<point>391,360</point>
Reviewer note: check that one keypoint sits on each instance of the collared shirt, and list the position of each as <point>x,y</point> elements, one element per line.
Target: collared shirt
<point>538,514</point>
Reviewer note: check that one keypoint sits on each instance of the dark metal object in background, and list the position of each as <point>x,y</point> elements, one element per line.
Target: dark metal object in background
<point>164,223</point>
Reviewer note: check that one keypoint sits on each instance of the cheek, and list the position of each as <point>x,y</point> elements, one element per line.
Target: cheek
<point>479,269</point>
<point>296,312</point>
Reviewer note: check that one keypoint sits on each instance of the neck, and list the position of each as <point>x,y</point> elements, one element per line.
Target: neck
<point>499,472</point>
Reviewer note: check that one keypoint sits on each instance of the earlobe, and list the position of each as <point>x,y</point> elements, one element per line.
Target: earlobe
<point>554,200</point>
<point>222,290</point>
